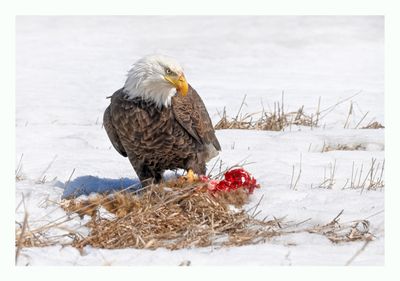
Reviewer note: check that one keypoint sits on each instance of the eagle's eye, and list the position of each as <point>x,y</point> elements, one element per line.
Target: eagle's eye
<point>168,71</point>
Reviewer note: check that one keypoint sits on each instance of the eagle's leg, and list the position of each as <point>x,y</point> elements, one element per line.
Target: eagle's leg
<point>147,176</point>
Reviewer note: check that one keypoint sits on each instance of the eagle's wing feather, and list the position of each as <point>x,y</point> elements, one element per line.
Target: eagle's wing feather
<point>192,115</point>
<point>112,133</point>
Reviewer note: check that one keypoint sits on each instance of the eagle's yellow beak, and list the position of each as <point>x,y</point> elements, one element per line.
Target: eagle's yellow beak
<point>179,82</point>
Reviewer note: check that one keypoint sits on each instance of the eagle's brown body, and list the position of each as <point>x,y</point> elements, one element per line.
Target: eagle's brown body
<point>159,138</point>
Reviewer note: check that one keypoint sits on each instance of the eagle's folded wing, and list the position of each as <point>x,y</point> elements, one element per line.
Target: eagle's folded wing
<point>111,132</point>
<point>192,115</point>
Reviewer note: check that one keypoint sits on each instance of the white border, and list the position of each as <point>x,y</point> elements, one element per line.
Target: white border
<point>200,7</point>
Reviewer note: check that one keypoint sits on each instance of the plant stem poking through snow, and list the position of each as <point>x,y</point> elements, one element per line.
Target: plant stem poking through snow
<point>18,170</point>
<point>293,185</point>
<point>373,180</point>
<point>328,182</point>
<point>42,177</point>
<point>21,236</point>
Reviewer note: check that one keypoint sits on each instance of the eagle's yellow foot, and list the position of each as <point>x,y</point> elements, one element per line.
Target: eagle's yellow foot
<point>191,176</point>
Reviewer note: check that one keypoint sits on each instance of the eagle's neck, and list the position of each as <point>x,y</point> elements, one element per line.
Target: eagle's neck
<point>158,92</point>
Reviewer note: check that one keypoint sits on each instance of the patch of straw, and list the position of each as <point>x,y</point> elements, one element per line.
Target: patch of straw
<point>275,120</point>
<point>374,125</point>
<point>344,232</point>
<point>173,216</point>
<point>343,147</point>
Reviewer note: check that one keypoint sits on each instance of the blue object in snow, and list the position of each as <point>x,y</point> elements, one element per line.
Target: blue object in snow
<point>90,184</point>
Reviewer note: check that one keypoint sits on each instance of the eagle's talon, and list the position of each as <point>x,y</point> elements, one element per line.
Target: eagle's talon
<point>190,176</point>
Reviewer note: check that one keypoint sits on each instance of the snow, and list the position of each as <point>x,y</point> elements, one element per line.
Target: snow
<point>67,66</point>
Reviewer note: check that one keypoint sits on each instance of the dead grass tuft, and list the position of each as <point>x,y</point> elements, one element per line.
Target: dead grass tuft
<point>364,178</point>
<point>371,178</point>
<point>343,147</point>
<point>174,216</point>
<point>275,120</point>
<point>374,125</point>
<point>344,232</point>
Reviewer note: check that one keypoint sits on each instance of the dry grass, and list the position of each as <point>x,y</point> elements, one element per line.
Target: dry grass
<point>43,178</point>
<point>351,115</point>
<point>371,178</point>
<point>18,170</point>
<point>374,125</point>
<point>173,216</point>
<point>21,237</point>
<point>294,181</point>
<point>276,120</point>
<point>343,147</point>
<point>364,178</point>
<point>329,179</point>
<point>344,232</point>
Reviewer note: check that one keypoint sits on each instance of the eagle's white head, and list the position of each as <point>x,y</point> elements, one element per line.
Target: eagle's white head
<point>156,78</point>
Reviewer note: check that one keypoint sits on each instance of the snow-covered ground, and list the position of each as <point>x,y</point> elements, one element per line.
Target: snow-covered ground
<point>66,66</point>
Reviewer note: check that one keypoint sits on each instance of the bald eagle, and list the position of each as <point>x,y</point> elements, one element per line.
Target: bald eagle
<point>159,121</point>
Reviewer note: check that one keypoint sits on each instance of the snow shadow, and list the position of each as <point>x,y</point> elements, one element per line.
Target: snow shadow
<point>85,185</point>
